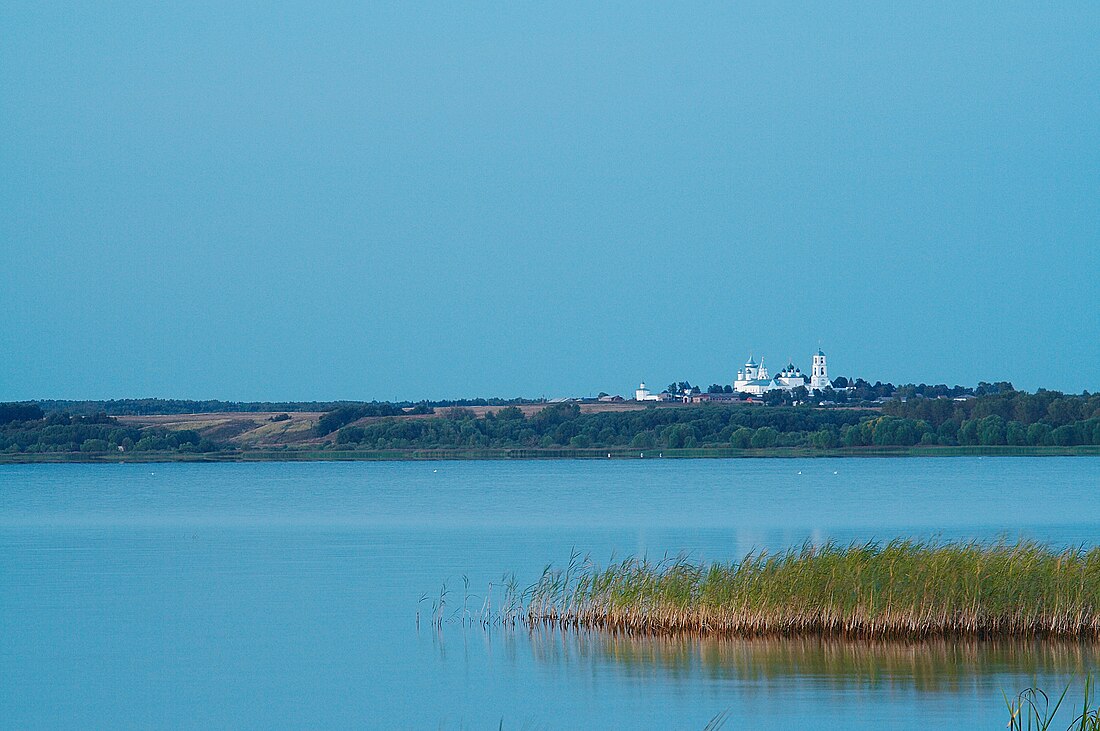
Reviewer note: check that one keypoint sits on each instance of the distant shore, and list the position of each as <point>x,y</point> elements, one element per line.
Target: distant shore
<point>1006,422</point>
<point>419,455</point>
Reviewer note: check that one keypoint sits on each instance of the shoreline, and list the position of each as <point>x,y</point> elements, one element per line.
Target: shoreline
<point>429,455</point>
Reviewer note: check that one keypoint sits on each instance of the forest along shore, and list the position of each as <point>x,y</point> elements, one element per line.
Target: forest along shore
<point>1006,422</point>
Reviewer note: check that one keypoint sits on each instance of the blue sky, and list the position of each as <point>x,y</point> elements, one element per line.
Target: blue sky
<point>292,201</point>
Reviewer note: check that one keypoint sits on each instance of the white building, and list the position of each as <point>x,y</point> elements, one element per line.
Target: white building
<point>753,377</point>
<point>791,377</point>
<point>820,378</point>
<point>642,394</point>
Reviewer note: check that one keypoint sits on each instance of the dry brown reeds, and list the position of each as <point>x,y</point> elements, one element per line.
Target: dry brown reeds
<point>903,589</point>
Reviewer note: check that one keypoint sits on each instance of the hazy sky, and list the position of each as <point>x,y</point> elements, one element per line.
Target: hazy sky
<point>356,200</point>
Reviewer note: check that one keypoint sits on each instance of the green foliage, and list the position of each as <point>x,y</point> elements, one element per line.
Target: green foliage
<point>98,433</point>
<point>1039,434</point>
<point>968,432</point>
<point>741,438</point>
<point>510,413</point>
<point>461,413</point>
<point>11,412</point>
<point>825,439</point>
<point>337,418</point>
<point>887,431</point>
<point>764,437</point>
<point>1048,407</point>
<point>563,425</point>
<point>991,430</point>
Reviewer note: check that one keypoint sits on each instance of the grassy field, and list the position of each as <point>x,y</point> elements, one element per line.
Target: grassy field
<point>902,589</point>
<point>241,429</point>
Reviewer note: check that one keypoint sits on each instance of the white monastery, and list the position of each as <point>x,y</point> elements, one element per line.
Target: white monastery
<point>753,377</point>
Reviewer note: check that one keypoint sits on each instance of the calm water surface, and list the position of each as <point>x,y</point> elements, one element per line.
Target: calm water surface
<point>286,595</point>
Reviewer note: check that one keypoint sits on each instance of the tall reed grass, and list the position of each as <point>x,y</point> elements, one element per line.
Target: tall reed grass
<point>1031,710</point>
<point>903,588</point>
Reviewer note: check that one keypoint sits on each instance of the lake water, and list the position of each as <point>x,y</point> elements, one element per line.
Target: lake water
<point>286,595</point>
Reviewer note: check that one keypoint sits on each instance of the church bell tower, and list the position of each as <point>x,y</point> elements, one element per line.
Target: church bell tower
<point>819,376</point>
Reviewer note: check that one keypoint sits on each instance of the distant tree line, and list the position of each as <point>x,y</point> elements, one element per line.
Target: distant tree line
<point>563,425</point>
<point>863,391</point>
<point>1004,418</point>
<point>477,402</point>
<point>20,412</point>
<point>1013,418</point>
<point>62,432</point>
<point>858,391</point>
<point>993,414</point>
<point>150,406</point>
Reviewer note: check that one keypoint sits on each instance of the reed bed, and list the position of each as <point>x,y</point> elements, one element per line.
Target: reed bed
<point>901,589</point>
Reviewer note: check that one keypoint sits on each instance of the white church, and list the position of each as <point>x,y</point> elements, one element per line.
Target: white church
<point>753,378</point>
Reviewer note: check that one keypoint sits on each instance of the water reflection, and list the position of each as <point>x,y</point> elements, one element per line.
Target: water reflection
<point>938,665</point>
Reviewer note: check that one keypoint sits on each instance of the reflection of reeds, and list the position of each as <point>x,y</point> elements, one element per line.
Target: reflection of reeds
<point>903,589</point>
<point>934,665</point>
